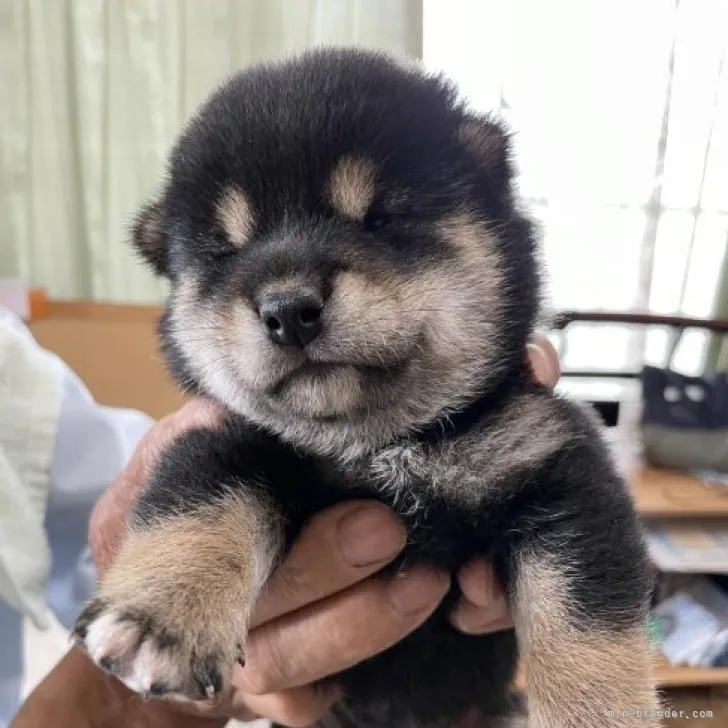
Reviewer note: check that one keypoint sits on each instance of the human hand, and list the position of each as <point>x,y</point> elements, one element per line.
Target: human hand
<point>322,610</point>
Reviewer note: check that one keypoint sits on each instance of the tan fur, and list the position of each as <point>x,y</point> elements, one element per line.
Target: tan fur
<point>284,285</point>
<point>405,349</point>
<point>198,330</point>
<point>479,274</point>
<point>235,215</point>
<point>374,320</point>
<point>351,186</point>
<point>205,568</point>
<point>576,678</point>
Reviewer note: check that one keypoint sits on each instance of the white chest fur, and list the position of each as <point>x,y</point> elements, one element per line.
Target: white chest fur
<point>474,466</point>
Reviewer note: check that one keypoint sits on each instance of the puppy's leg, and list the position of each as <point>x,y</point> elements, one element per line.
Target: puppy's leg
<point>578,674</point>
<point>171,614</point>
<point>581,598</point>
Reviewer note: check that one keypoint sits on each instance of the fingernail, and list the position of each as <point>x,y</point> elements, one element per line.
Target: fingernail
<point>544,365</point>
<point>412,591</point>
<point>475,622</point>
<point>483,589</point>
<point>369,535</point>
<point>539,363</point>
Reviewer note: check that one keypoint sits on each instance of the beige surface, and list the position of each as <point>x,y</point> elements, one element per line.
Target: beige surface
<point>667,494</point>
<point>114,350</point>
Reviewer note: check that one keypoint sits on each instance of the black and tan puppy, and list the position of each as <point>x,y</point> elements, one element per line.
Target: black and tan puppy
<point>352,277</point>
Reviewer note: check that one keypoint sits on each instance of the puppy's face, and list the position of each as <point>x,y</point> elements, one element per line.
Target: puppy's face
<point>344,255</point>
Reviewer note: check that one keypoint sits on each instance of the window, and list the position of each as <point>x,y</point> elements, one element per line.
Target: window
<point>620,115</point>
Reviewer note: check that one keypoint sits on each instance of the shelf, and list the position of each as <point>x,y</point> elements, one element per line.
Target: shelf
<point>668,494</point>
<point>668,676</point>
<point>673,495</point>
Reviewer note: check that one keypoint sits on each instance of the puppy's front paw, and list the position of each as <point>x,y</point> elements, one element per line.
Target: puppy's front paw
<point>173,610</point>
<point>136,644</point>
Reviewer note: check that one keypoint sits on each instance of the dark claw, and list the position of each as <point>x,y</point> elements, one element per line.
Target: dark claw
<point>241,655</point>
<point>89,613</point>
<point>207,677</point>
<point>158,688</point>
<point>165,640</point>
<point>107,663</point>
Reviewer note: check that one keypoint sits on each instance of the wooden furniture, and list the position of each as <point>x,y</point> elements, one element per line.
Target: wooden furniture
<point>666,494</point>
<point>676,325</point>
<point>112,348</point>
<point>663,494</point>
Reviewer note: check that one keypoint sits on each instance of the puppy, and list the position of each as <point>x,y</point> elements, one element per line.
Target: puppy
<point>351,275</point>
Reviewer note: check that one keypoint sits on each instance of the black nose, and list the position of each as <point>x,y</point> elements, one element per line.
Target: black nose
<point>292,318</point>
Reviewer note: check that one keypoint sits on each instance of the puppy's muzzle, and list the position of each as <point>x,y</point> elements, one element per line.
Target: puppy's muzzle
<point>292,318</point>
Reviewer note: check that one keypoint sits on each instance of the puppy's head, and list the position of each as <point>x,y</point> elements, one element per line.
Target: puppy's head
<point>345,258</point>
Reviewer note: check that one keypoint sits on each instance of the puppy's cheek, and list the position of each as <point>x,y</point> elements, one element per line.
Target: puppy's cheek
<point>224,344</point>
<point>468,292</point>
<point>257,361</point>
<point>194,326</point>
<point>461,325</point>
<point>367,320</point>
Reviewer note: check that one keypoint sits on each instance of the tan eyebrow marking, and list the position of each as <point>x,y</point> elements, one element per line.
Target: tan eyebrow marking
<point>235,214</point>
<point>351,186</point>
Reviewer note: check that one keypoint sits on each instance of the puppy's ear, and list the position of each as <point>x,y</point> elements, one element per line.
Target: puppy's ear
<point>149,238</point>
<point>488,142</point>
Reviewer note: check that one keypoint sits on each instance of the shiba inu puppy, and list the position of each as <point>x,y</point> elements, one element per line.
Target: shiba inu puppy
<point>351,275</point>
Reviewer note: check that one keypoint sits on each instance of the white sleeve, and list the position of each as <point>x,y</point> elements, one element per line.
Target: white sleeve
<point>47,411</point>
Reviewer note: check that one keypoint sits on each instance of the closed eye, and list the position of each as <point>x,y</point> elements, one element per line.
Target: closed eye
<point>217,246</point>
<point>376,219</point>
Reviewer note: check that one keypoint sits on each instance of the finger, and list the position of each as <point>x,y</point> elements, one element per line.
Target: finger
<point>199,412</point>
<point>472,619</point>
<point>339,547</point>
<point>301,706</point>
<point>332,635</point>
<point>482,607</point>
<point>544,361</point>
<point>479,583</point>
<point>108,522</point>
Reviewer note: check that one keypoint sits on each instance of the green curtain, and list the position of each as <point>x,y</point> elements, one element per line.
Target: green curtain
<point>92,92</point>
<point>717,355</point>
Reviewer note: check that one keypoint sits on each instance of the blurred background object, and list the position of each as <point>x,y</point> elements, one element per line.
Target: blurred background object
<point>92,95</point>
